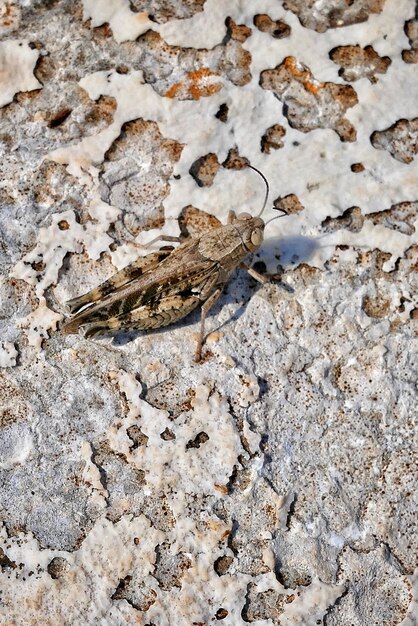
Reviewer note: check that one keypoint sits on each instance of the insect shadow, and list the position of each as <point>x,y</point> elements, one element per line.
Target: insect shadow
<point>291,250</point>
<point>283,251</point>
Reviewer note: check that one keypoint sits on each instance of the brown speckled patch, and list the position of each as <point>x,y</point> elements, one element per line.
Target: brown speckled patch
<point>411,31</point>
<point>58,567</point>
<point>204,169</point>
<point>13,408</point>
<point>234,161</point>
<point>193,222</point>
<point>352,219</point>
<point>289,204</point>
<point>376,307</point>
<point>276,28</point>
<point>9,17</point>
<point>400,217</point>
<point>223,564</point>
<point>272,138</point>
<point>308,103</point>
<point>357,167</point>
<point>222,113</point>
<point>238,32</point>
<point>357,62</point>
<point>400,140</point>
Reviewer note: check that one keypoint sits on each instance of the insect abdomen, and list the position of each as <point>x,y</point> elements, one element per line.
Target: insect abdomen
<point>169,310</point>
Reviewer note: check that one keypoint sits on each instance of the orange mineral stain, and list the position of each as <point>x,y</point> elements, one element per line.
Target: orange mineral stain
<point>304,76</point>
<point>197,84</point>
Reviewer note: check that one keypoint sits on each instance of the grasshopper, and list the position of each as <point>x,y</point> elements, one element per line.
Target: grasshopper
<point>165,286</point>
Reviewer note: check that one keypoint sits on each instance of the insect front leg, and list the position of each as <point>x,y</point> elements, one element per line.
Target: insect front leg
<point>267,278</point>
<point>204,311</point>
<point>252,272</point>
<point>210,291</point>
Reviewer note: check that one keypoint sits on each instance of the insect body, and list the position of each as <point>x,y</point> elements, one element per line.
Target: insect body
<point>165,286</point>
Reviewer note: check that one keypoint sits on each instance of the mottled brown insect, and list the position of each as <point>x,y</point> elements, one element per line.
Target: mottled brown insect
<point>165,286</point>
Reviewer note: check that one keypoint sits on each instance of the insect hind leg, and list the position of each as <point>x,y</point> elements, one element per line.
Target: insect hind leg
<point>147,317</point>
<point>205,309</point>
<point>171,238</point>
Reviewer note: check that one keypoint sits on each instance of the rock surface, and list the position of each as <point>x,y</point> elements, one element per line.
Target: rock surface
<point>275,481</point>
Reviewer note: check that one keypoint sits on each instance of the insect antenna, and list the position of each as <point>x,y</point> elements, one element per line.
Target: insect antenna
<point>276,217</point>
<point>267,187</point>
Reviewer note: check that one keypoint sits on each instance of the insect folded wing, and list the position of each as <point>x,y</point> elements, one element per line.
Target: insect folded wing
<point>147,294</point>
<point>132,272</point>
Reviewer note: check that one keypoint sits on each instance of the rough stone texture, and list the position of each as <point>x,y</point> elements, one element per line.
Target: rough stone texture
<point>368,572</point>
<point>127,184</point>
<point>263,605</point>
<point>308,103</point>
<point>400,140</point>
<point>187,73</point>
<point>9,18</point>
<point>276,480</point>
<point>58,567</point>
<point>134,591</point>
<point>320,15</point>
<point>170,568</point>
<point>164,10</point>
<point>357,62</point>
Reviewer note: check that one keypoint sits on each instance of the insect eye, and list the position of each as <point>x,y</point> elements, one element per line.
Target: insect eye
<point>244,216</point>
<point>256,237</point>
